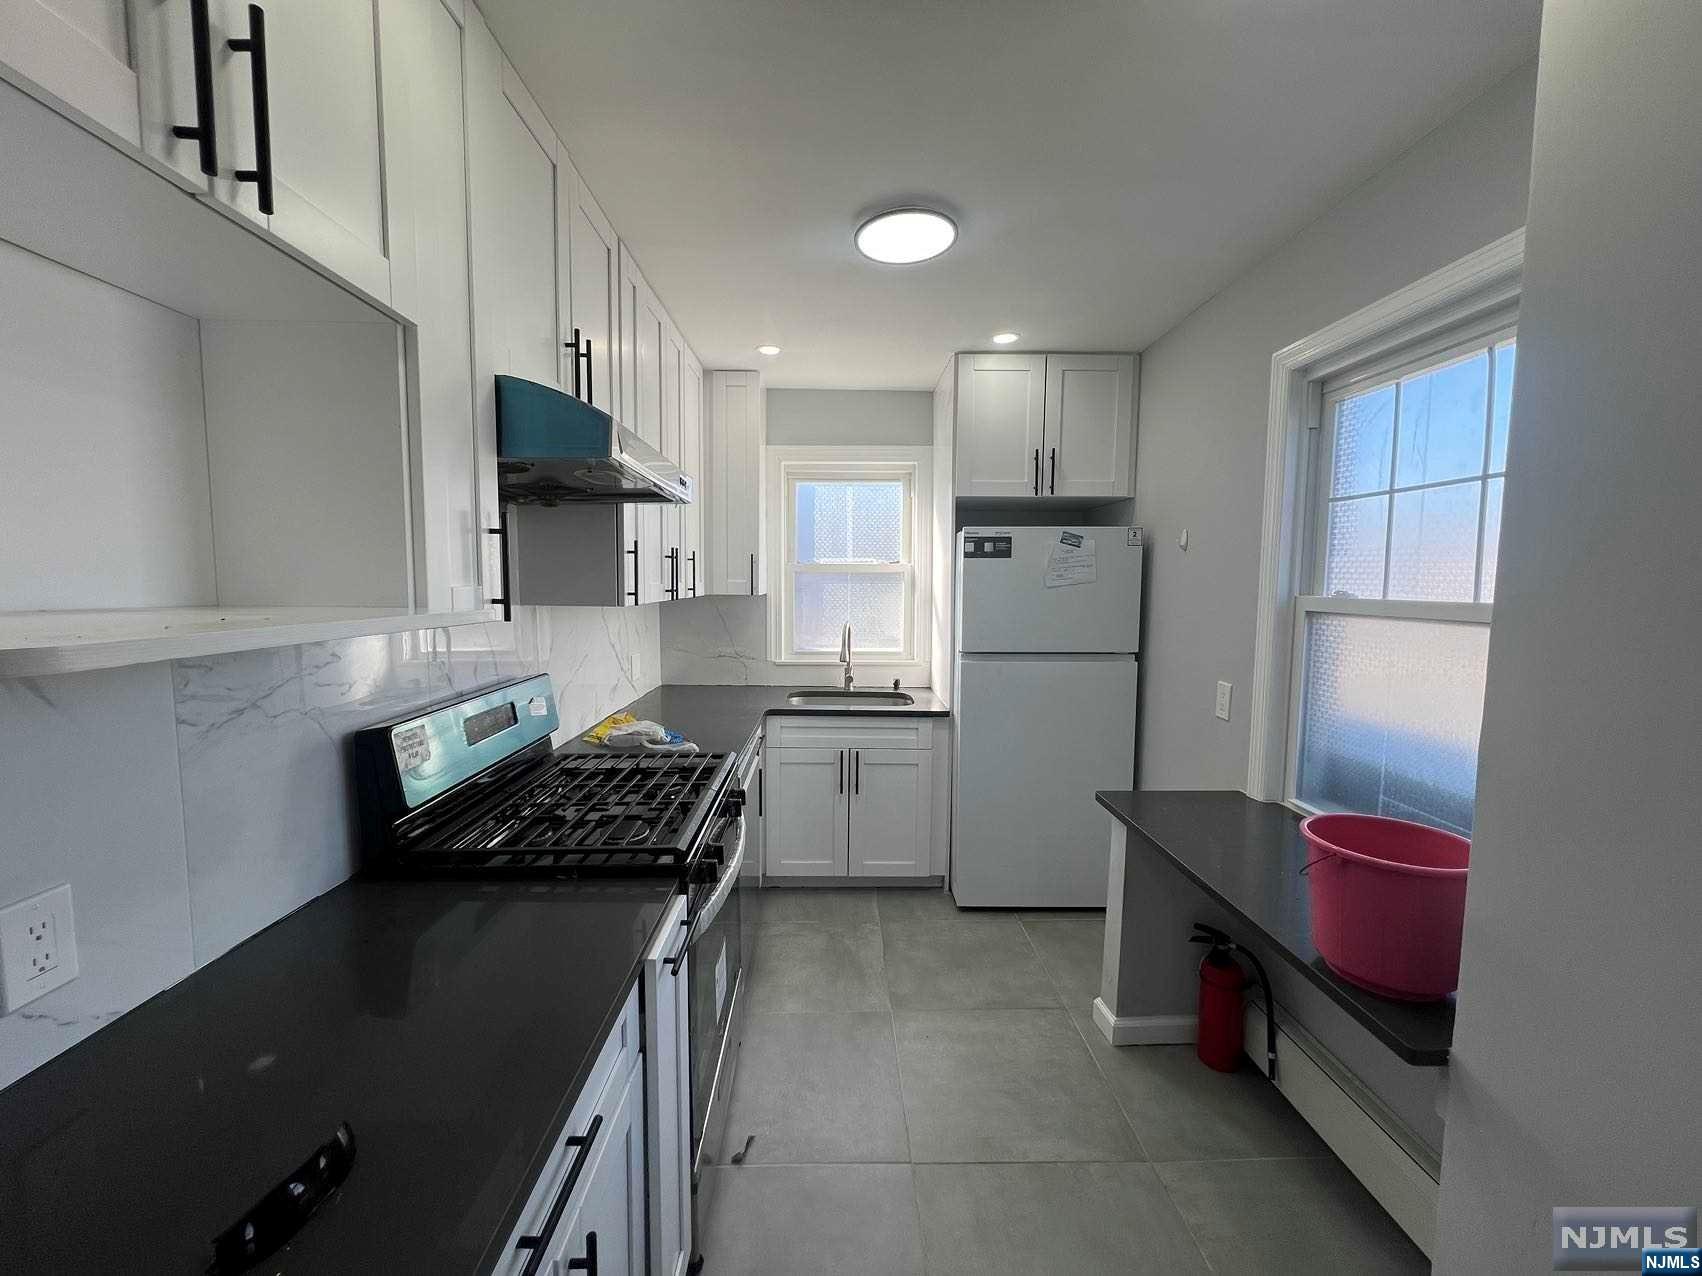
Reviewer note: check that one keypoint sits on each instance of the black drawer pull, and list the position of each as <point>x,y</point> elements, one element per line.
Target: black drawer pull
<point>633,592</point>
<point>587,1264</point>
<point>1054,484</point>
<point>501,533</point>
<point>1037,471</point>
<point>205,129</point>
<point>255,46</point>
<point>536,1244</point>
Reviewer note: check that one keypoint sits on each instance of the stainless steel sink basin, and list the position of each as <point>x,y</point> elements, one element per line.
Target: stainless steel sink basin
<point>823,699</point>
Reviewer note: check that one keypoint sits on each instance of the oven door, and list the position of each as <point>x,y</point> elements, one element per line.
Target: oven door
<point>716,972</point>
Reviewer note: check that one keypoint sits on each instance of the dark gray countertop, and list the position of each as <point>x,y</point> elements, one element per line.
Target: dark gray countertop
<point>726,719</point>
<point>1248,855</point>
<point>450,1023</point>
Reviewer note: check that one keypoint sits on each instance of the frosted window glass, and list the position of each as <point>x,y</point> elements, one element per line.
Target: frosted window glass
<point>1433,544</point>
<point>1391,717</point>
<point>1365,431</point>
<point>1442,422</point>
<point>850,522</point>
<point>823,602</point>
<point>1353,560</point>
<point>1491,539</point>
<point>1505,356</point>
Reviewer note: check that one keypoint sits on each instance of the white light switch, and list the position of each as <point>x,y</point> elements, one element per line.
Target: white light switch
<point>38,947</point>
<point>1223,690</point>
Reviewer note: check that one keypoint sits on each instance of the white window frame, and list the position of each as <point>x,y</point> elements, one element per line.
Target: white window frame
<point>911,466</point>
<point>1473,298</point>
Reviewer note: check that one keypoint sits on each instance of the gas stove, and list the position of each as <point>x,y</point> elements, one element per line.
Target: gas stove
<point>473,789</point>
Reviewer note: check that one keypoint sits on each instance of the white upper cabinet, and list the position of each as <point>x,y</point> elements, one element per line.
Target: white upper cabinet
<point>1040,426</point>
<point>734,498</point>
<point>291,94</point>
<point>428,232</point>
<point>1090,408</point>
<point>79,52</point>
<point>693,581</point>
<point>644,332</point>
<point>591,259</point>
<point>1001,424</point>
<point>673,516</point>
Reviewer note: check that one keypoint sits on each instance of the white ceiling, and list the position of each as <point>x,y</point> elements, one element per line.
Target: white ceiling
<point>1111,163</point>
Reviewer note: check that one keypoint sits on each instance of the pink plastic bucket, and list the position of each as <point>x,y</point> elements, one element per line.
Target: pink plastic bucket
<point>1388,903</point>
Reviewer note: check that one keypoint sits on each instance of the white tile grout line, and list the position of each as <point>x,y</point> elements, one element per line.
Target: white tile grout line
<point>1106,1081</point>
<point>903,1108</point>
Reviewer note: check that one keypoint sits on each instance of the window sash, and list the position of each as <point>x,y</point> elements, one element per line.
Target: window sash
<point>1364,381</point>
<point>905,568</point>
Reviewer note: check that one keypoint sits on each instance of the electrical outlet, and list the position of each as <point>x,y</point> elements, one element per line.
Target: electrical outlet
<point>1223,690</point>
<point>38,947</point>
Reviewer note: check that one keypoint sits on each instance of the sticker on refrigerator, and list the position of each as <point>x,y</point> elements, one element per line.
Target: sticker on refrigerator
<point>1074,561</point>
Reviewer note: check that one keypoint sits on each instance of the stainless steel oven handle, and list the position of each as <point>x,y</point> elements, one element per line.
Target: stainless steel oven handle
<point>732,866</point>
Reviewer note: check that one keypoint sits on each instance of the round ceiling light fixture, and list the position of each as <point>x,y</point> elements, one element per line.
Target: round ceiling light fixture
<point>1006,338</point>
<point>771,351</point>
<point>905,236</point>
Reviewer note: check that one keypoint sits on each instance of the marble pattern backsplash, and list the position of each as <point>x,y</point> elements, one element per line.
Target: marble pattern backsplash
<point>190,804</point>
<point>722,639</point>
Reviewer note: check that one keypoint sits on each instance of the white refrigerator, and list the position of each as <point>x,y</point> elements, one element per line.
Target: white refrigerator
<point>1048,636</point>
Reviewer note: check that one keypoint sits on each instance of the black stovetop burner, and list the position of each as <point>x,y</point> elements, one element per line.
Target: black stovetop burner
<point>580,811</point>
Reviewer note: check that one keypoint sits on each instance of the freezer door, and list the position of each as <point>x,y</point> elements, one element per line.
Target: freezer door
<point>1006,604</point>
<point>1036,737</point>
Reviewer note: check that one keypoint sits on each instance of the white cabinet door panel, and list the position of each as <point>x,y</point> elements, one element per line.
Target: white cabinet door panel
<point>891,812</point>
<point>1089,424</point>
<point>692,577</point>
<point>735,494</point>
<point>608,1220</point>
<point>1001,424</point>
<point>79,51</point>
<point>593,259</point>
<point>667,1099</point>
<point>805,812</point>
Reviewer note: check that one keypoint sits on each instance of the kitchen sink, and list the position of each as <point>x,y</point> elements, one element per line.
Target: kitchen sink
<point>848,699</point>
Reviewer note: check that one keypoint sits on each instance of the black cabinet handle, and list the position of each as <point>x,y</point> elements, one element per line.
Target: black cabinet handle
<point>574,346</point>
<point>857,775</point>
<point>1054,486</point>
<point>536,1244</point>
<point>674,573</point>
<point>753,575</point>
<point>204,130</point>
<point>633,592</point>
<point>280,1214</point>
<point>694,573</point>
<point>255,46</point>
<point>585,354</point>
<point>587,1264</point>
<point>1037,471</point>
<point>842,770</point>
<point>759,772</point>
<point>500,531</point>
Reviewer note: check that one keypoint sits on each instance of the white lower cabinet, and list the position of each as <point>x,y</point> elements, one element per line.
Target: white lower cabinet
<point>667,1097</point>
<point>862,809</point>
<point>605,1233</point>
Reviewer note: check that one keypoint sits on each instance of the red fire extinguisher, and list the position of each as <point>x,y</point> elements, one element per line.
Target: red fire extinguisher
<point>1222,982</point>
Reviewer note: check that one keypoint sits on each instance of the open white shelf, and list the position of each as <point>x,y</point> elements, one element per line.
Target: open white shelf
<point>39,643</point>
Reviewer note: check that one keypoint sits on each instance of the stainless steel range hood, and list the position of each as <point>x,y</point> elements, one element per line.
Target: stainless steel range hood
<point>554,449</point>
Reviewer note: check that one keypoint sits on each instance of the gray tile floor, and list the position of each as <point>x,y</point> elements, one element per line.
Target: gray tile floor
<point>929,1095</point>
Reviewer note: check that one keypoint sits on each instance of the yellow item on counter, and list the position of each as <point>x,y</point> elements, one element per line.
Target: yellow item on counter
<point>599,734</point>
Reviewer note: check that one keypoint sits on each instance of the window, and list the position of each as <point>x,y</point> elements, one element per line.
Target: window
<point>848,557</point>
<point>1392,629</point>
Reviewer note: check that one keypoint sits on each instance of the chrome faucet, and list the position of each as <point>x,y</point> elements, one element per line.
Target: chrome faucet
<point>845,654</point>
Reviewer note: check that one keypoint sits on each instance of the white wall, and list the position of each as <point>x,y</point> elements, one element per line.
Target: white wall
<point>1204,387</point>
<point>1575,1078</point>
<point>189,804</point>
<point>804,417</point>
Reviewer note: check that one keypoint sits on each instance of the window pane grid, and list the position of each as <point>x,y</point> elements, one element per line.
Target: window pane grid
<point>848,542</point>
<point>1405,438</point>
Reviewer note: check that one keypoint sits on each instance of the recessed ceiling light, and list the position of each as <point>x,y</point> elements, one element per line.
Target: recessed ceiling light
<point>903,236</point>
<point>768,350</point>
<point>1006,338</point>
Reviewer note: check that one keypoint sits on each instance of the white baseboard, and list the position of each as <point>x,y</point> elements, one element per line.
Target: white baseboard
<point>1322,1092</point>
<point>1144,1030</point>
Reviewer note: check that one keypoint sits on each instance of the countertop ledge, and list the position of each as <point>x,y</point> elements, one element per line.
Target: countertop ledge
<point>726,719</point>
<point>1247,856</point>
